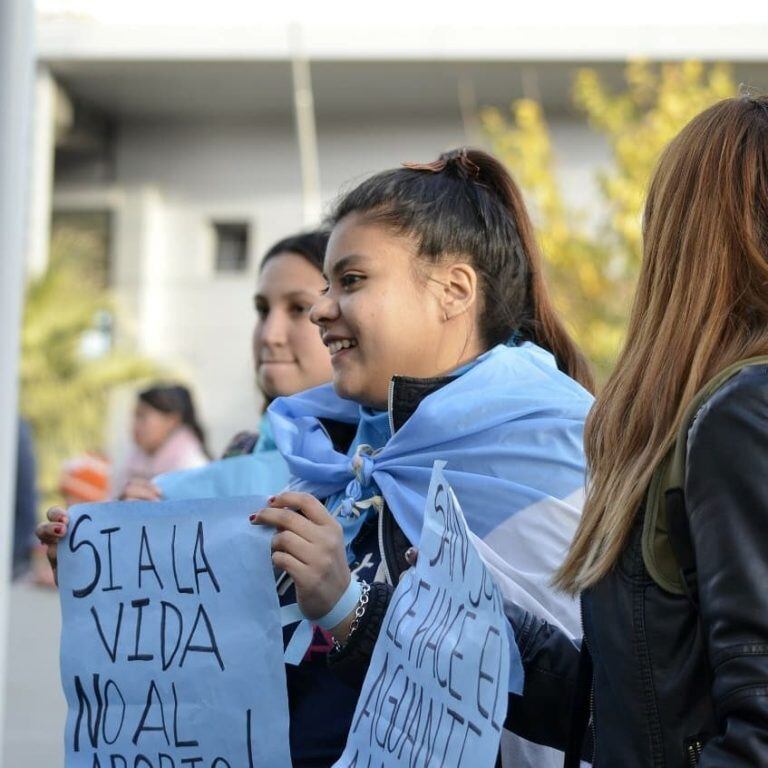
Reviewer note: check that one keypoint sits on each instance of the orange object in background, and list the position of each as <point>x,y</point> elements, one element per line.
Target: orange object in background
<point>85,478</point>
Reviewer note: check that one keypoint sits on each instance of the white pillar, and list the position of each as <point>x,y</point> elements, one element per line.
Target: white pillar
<point>306,130</point>
<point>140,268</point>
<point>43,150</point>
<point>16,77</point>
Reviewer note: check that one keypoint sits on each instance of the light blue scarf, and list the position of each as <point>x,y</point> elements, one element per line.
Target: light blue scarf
<point>510,429</point>
<point>373,432</point>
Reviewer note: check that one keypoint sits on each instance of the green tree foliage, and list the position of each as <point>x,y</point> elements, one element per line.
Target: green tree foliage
<point>64,391</point>
<point>593,262</point>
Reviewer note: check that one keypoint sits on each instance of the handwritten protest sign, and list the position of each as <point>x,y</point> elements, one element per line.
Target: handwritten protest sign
<point>171,649</point>
<point>436,691</point>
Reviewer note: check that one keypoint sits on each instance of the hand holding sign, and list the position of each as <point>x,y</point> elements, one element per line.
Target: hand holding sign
<point>171,653</point>
<point>437,687</point>
<point>309,546</point>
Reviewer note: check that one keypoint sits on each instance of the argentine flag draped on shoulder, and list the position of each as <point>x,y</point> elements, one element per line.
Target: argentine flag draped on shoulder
<point>511,432</point>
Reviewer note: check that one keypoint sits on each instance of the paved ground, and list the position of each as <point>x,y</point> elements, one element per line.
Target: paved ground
<point>35,707</point>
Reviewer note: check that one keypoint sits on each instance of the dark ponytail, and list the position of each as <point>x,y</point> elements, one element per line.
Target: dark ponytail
<point>466,204</point>
<point>176,399</point>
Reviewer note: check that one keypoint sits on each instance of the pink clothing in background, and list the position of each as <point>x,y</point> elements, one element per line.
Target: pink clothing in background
<point>182,450</point>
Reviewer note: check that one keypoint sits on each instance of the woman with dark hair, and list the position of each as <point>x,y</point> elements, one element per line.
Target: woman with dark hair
<point>444,345</point>
<point>166,433</point>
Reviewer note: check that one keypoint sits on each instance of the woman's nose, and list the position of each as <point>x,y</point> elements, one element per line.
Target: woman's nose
<point>324,310</point>
<point>272,329</point>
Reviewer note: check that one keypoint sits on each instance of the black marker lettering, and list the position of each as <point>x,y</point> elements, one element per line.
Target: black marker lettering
<point>150,566</point>
<point>152,693</point>
<point>112,586</point>
<point>83,702</point>
<point>164,608</point>
<point>391,700</point>
<point>176,741</point>
<point>85,591</point>
<point>180,589</point>
<point>136,656</point>
<point>200,547</point>
<point>111,652</point>
<point>212,648</point>
<point>444,538</point>
<point>483,675</point>
<point>456,655</point>
<point>106,712</point>
<point>393,613</point>
<point>374,689</point>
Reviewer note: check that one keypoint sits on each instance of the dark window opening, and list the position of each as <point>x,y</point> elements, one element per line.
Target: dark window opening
<point>231,246</point>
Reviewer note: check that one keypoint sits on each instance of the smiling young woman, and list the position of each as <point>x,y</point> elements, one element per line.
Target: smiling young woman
<point>380,315</point>
<point>443,345</point>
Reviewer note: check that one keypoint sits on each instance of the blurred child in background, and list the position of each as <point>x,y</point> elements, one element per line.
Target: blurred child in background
<point>166,433</point>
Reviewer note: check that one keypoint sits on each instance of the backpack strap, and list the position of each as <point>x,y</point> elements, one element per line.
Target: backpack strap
<point>667,547</point>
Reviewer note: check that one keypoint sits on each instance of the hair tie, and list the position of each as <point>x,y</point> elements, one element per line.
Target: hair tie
<point>458,158</point>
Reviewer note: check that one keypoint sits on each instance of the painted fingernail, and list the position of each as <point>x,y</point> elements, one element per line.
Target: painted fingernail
<point>254,517</point>
<point>271,499</point>
<point>58,530</point>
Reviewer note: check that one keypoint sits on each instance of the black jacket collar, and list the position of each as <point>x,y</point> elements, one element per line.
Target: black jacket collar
<point>405,394</point>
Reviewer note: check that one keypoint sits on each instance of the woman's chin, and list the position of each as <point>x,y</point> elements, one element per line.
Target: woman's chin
<point>349,390</point>
<point>277,386</point>
<point>343,389</point>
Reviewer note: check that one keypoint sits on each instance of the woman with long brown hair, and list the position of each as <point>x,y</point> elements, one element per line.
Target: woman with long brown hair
<point>671,555</point>
<point>682,679</point>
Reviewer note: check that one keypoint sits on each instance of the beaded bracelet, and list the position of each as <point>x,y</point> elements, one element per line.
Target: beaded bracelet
<point>359,612</point>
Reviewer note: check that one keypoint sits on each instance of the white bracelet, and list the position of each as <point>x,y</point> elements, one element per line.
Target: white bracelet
<point>344,606</point>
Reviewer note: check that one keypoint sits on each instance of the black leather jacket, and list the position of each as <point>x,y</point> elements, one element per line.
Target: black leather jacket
<point>676,685</point>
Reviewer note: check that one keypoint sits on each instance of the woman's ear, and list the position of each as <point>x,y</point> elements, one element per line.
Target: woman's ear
<point>459,289</point>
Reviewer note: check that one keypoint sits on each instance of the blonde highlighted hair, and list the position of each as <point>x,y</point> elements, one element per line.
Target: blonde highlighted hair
<point>701,304</point>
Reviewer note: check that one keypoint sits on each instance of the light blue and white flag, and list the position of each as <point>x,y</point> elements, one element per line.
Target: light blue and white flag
<point>510,430</point>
